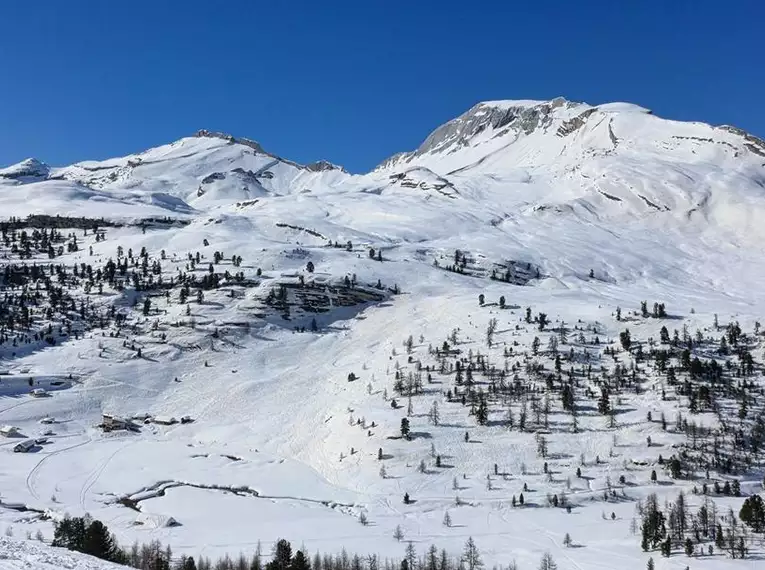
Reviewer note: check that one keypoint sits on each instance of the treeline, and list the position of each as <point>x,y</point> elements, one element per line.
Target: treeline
<point>46,221</point>
<point>90,536</point>
<point>83,223</point>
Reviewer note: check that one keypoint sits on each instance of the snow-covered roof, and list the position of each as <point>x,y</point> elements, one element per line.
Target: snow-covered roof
<point>153,520</point>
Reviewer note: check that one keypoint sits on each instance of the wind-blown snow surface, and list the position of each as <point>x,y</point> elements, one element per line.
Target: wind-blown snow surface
<point>657,209</point>
<point>28,555</point>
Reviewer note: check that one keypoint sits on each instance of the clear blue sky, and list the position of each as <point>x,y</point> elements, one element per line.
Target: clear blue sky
<point>354,81</point>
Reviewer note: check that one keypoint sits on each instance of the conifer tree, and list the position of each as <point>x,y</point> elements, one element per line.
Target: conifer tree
<point>282,556</point>
<point>470,556</point>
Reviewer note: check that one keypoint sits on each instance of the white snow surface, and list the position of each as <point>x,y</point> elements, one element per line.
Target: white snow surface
<point>658,209</point>
<point>28,555</point>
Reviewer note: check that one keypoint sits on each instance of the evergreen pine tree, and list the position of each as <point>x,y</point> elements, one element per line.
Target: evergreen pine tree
<point>98,541</point>
<point>405,428</point>
<point>300,562</point>
<point>282,556</point>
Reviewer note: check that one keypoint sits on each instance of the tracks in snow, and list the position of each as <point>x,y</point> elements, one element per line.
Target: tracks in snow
<point>31,480</point>
<point>97,472</point>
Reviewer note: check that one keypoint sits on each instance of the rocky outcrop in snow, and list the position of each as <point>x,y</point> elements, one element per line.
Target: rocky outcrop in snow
<point>753,143</point>
<point>501,116</point>
<point>323,165</point>
<point>317,166</point>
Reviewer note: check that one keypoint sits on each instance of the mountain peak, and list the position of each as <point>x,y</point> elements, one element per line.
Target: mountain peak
<point>323,165</point>
<point>493,128</point>
<point>499,116</point>
<point>27,168</point>
<point>318,166</point>
<point>254,145</point>
<point>521,103</point>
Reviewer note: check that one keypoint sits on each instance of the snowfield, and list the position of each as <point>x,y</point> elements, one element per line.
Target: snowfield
<point>574,210</point>
<point>29,555</point>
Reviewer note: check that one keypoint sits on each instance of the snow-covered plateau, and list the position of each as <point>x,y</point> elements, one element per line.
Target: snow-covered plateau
<point>215,347</point>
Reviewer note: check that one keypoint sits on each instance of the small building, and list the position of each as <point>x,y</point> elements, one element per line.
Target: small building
<point>9,431</point>
<point>25,446</point>
<point>151,520</point>
<point>111,423</point>
<point>39,393</point>
<point>165,420</point>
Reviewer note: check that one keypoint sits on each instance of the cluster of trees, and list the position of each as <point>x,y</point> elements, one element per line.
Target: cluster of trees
<point>313,297</point>
<point>42,221</point>
<point>515,272</point>
<point>84,534</point>
<point>89,536</point>
<point>522,390</point>
<point>50,242</point>
<point>659,311</point>
<point>676,528</point>
<point>37,296</point>
<point>691,367</point>
<point>518,273</point>
<point>481,384</point>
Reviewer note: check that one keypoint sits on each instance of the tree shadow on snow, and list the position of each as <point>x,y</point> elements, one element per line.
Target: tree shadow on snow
<point>420,435</point>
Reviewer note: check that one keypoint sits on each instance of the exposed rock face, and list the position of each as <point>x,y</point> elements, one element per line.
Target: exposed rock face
<point>753,143</point>
<point>570,126</point>
<point>254,145</point>
<point>503,116</point>
<point>213,177</point>
<point>323,165</point>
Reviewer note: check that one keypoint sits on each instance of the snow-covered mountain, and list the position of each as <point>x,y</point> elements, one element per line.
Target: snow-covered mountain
<point>612,160</point>
<point>273,304</point>
<point>546,157</point>
<point>26,170</point>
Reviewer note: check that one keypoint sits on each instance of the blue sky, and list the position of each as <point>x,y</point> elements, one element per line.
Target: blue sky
<point>353,81</point>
